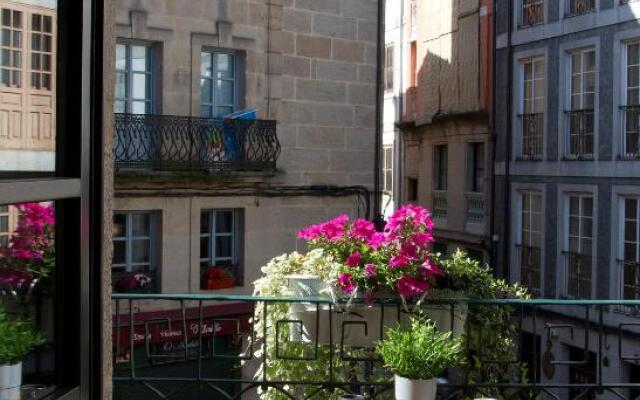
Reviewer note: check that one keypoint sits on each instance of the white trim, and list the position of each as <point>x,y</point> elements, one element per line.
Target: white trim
<point>519,59</point>
<point>516,225</point>
<point>564,191</point>
<point>564,102</point>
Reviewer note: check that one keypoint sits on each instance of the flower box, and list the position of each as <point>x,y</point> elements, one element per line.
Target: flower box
<point>219,283</point>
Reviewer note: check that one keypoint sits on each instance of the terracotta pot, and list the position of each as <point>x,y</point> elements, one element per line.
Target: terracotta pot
<point>415,389</point>
<point>10,381</point>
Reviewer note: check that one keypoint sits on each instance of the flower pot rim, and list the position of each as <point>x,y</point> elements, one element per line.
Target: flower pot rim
<point>303,276</point>
<point>417,380</point>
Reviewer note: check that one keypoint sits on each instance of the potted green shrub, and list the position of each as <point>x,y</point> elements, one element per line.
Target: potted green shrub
<point>18,339</point>
<point>417,356</point>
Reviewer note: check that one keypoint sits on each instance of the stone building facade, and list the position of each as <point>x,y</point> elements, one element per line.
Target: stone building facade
<point>308,65</point>
<point>445,125</point>
<point>566,164</point>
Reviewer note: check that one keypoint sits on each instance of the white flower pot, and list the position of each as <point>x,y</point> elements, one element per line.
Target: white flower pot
<point>306,285</point>
<point>10,381</point>
<point>441,314</point>
<point>415,389</point>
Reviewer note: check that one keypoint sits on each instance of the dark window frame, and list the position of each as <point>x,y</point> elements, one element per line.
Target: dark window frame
<point>76,186</point>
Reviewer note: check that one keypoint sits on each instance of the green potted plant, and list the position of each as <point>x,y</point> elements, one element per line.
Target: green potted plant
<point>417,356</point>
<point>18,340</point>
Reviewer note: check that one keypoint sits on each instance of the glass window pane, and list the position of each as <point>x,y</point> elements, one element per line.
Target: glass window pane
<point>630,208</point>
<point>119,106</point>
<point>119,252</point>
<point>140,88</point>
<point>205,65</point>
<point>17,39</point>
<point>224,92</point>
<point>204,222</point>
<point>139,58</point>
<point>205,91</point>
<point>4,224</point>
<point>121,56</point>
<point>140,225</point>
<point>46,24</point>
<point>139,107</point>
<point>119,225</point>
<point>224,246</point>
<point>632,54</point>
<point>630,231</point>
<point>6,17</point>
<point>206,111</point>
<point>222,111</point>
<point>121,86</point>
<point>204,248</point>
<point>224,221</point>
<point>35,42</point>
<point>224,65</point>
<point>140,251</point>
<point>36,22</point>
<point>6,37</point>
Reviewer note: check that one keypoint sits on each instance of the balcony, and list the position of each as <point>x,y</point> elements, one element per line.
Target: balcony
<point>532,128</point>
<point>179,143</point>
<point>578,271</point>
<point>475,207</point>
<point>581,123</point>
<point>579,7</point>
<point>439,208</point>
<point>631,141</point>
<point>208,347</point>
<point>532,12</point>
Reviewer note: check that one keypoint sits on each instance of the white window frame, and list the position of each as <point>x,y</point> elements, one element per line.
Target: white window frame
<point>565,217</point>
<point>621,243</point>
<point>211,236</point>
<point>387,168</point>
<point>149,73</point>
<point>624,100</point>
<point>519,239</point>
<point>521,66</point>
<point>214,102</point>
<point>128,238</point>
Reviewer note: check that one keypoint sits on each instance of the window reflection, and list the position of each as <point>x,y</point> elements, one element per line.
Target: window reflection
<point>27,85</point>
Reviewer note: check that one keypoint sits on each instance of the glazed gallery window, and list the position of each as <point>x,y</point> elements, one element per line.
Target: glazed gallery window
<point>579,246</point>
<point>629,259</point>
<point>531,114</point>
<point>134,91</point>
<point>220,247</point>
<point>387,169</point>
<point>27,83</point>
<point>388,68</point>
<point>580,103</point>
<point>530,240</point>
<point>440,167</point>
<point>631,101</point>
<point>218,83</point>
<point>134,267</point>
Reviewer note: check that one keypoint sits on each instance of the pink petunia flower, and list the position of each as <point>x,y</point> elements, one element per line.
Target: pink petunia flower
<point>354,259</point>
<point>346,283</point>
<point>362,229</point>
<point>398,261</point>
<point>408,287</point>
<point>370,270</point>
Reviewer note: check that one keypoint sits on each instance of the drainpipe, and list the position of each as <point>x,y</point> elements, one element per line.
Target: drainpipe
<point>508,145</point>
<point>378,218</point>
<point>494,139</point>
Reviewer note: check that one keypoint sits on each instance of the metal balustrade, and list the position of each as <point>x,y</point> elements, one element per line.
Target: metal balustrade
<point>579,7</point>
<point>475,207</point>
<point>532,126</point>
<point>439,208</point>
<point>532,12</point>
<point>581,138</point>
<point>174,143</point>
<point>184,350</point>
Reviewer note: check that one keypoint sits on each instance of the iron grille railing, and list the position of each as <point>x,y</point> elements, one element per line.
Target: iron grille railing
<point>207,346</point>
<point>475,207</point>
<point>578,7</point>
<point>532,12</point>
<point>170,143</point>
<point>581,138</point>
<point>532,126</point>
<point>530,262</point>
<point>630,285</point>
<point>439,208</point>
<point>631,140</point>
<point>578,272</point>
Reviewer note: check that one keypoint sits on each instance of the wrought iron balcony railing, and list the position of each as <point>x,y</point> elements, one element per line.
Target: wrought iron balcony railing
<point>581,138</point>
<point>174,143</point>
<point>532,12</point>
<point>578,272</point>
<point>210,346</point>
<point>532,128</point>
<point>439,208</point>
<point>475,207</point>
<point>631,134</point>
<point>530,260</point>
<point>579,7</point>
<point>630,285</point>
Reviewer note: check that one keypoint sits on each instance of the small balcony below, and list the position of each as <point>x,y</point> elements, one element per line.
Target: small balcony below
<point>147,142</point>
<point>475,207</point>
